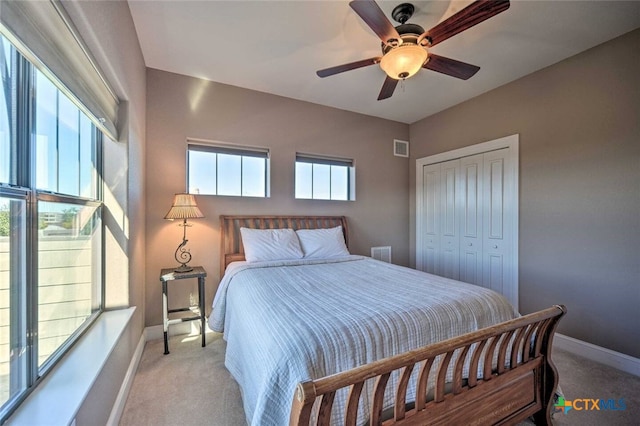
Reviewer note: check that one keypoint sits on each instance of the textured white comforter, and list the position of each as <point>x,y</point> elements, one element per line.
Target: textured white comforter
<point>289,321</point>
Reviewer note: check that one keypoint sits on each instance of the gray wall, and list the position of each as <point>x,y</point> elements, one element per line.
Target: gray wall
<point>579,129</point>
<point>107,29</point>
<point>180,107</point>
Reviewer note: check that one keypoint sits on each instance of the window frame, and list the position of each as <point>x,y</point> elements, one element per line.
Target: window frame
<point>22,185</point>
<point>314,159</point>
<point>229,149</point>
<point>18,294</point>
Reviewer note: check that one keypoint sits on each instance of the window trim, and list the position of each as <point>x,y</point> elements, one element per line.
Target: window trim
<point>90,355</point>
<point>231,150</point>
<point>320,159</point>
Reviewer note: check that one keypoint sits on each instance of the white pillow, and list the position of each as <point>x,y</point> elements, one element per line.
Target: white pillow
<point>322,243</point>
<point>270,244</point>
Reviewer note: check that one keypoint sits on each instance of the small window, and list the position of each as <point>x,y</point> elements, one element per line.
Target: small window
<point>228,170</point>
<point>324,178</point>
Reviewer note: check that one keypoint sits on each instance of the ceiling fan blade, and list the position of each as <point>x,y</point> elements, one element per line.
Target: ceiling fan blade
<point>388,87</point>
<point>347,67</point>
<point>471,15</point>
<point>450,67</point>
<point>373,16</point>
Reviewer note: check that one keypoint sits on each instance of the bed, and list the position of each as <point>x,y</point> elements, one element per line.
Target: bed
<point>344,339</point>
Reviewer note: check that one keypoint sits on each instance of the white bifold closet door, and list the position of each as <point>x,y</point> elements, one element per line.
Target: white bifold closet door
<point>464,233</point>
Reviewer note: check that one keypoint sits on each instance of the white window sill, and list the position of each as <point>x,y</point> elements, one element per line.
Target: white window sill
<point>60,395</point>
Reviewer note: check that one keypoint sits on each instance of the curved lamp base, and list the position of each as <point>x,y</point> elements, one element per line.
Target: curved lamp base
<point>183,268</point>
<point>182,255</point>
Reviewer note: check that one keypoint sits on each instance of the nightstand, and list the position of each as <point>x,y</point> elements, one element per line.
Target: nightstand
<point>169,274</point>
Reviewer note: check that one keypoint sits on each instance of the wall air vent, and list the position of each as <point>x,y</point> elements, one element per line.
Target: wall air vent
<point>381,253</point>
<point>400,148</point>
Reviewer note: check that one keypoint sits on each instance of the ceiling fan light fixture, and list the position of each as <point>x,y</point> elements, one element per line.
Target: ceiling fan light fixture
<point>403,61</point>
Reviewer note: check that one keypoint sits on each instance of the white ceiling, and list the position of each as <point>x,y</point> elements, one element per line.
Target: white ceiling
<point>276,47</point>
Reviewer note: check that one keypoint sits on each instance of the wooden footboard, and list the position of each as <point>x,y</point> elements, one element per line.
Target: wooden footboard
<point>515,379</point>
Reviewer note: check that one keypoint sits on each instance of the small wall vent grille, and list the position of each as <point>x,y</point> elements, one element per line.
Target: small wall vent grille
<point>400,148</point>
<point>381,253</point>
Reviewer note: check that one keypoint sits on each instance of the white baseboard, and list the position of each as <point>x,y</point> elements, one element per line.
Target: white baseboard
<point>599,354</point>
<point>123,394</point>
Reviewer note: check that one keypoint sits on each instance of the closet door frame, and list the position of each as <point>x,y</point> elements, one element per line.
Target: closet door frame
<point>510,193</point>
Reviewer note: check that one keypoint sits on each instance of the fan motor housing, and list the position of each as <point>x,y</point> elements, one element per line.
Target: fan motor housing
<point>409,34</point>
<point>403,29</point>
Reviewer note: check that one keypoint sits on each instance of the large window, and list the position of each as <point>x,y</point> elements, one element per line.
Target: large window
<point>7,104</point>
<point>51,249</point>
<point>228,170</point>
<point>323,178</point>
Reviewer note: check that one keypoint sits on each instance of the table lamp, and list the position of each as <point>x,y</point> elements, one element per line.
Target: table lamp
<point>184,207</point>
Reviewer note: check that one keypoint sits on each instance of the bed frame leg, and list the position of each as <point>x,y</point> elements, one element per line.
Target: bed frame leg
<point>549,385</point>
<point>549,376</point>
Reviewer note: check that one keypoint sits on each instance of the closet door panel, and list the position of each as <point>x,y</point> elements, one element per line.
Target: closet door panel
<point>470,272</point>
<point>496,273</point>
<point>431,218</point>
<point>495,212</point>
<point>450,220</point>
<point>495,241</point>
<point>471,219</point>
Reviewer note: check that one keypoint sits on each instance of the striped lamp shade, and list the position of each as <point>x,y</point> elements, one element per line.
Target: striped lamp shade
<point>184,207</point>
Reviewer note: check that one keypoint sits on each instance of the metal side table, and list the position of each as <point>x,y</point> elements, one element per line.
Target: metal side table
<point>169,274</point>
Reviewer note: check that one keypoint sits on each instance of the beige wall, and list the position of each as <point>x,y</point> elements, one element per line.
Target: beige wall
<point>107,29</point>
<point>180,107</point>
<point>579,131</point>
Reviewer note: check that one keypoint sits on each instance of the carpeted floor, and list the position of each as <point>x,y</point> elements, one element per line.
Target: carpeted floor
<point>191,386</point>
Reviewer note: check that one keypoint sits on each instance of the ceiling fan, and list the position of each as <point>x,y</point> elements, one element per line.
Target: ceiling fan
<point>405,48</point>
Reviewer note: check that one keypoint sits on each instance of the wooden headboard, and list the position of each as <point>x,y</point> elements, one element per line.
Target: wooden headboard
<point>231,248</point>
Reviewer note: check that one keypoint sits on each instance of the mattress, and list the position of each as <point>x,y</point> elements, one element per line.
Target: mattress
<point>289,321</point>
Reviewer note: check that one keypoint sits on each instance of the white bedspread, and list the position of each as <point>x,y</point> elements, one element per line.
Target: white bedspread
<point>289,321</point>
